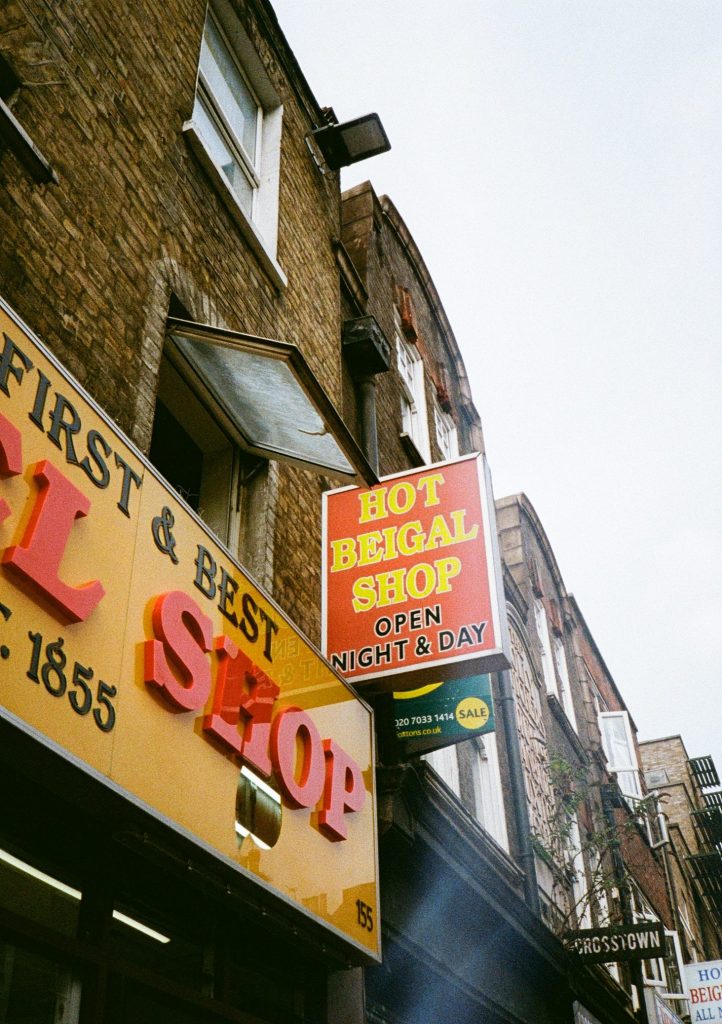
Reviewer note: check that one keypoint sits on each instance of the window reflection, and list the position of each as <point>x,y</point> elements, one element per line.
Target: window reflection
<point>258,810</point>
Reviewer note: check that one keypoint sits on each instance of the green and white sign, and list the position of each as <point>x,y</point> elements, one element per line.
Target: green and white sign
<point>440,714</point>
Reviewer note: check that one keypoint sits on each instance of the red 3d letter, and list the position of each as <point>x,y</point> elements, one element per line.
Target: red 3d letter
<point>36,560</point>
<point>223,719</point>
<point>243,693</point>
<point>344,791</point>
<point>185,635</point>
<point>292,725</point>
<point>11,456</point>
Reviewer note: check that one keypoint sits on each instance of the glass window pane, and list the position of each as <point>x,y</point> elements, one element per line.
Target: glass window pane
<point>620,752</point>
<point>176,455</point>
<point>628,783</point>
<point>446,435</point>
<point>408,416</point>
<point>229,89</point>
<point>542,628</point>
<point>407,358</point>
<point>222,156</point>
<point>446,763</point>
<point>617,743</point>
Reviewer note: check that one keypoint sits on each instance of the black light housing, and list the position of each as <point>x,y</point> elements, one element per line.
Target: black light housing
<point>365,347</point>
<point>347,143</point>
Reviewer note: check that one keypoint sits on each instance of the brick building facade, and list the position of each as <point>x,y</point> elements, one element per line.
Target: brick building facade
<point>160,208</point>
<point>155,170</point>
<point>579,746</point>
<point>691,801</point>
<point>463,939</point>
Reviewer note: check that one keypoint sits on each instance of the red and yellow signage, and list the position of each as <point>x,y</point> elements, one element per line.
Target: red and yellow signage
<point>412,579</point>
<point>132,639</point>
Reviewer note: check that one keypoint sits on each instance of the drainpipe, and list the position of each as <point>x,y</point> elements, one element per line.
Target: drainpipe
<point>367,414</point>
<point>367,353</point>
<point>507,709</point>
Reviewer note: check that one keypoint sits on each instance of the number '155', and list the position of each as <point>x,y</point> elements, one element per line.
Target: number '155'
<point>365,915</point>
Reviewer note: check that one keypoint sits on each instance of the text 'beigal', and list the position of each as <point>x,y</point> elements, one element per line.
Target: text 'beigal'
<point>411,574</point>
<point>193,670</point>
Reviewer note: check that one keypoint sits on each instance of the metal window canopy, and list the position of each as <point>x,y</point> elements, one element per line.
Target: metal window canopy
<point>269,399</point>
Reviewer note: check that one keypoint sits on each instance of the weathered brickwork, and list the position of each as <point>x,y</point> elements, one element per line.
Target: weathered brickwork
<point>386,258</point>
<point>91,263</point>
<point>681,795</point>
<point>556,634</point>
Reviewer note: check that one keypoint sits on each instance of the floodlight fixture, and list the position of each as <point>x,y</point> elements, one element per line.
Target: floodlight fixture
<point>343,144</point>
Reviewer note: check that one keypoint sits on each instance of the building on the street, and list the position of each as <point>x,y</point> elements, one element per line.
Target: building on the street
<point>202,820</point>
<point>598,839</point>
<point>165,207</point>
<point>691,800</point>
<point>467,936</point>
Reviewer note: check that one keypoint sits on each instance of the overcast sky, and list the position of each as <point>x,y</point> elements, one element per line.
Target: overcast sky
<point>559,164</point>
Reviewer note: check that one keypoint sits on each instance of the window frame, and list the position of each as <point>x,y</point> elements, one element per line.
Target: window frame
<point>580,882</point>
<point>220,509</point>
<point>445,762</point>
<point>217,114</point>
<point>13,134</point>
<point>414,413</point>
<point>655,971</point>
<point>259,225</point>
<point>632,767</point>
<point>559,657</point>
<point>488,793</point>
<point>447,434</point>
<point>541,623</point>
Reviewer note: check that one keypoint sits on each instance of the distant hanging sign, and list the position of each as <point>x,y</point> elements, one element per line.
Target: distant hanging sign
<point>614,945</point>
<point>659,1012</point>
<point>704,982</point>
<point>582,1015</point>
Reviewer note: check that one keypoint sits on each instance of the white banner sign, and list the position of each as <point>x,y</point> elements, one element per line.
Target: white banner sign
<point>704,982</point>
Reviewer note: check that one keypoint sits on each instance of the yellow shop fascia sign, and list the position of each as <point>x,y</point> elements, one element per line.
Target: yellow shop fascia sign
<point>132,639</point>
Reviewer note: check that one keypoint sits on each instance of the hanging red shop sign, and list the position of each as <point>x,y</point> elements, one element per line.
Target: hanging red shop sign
<point>412,577</point>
